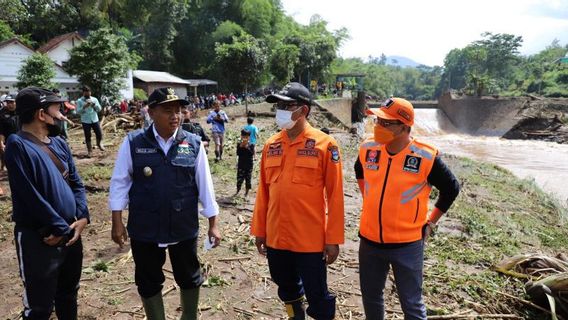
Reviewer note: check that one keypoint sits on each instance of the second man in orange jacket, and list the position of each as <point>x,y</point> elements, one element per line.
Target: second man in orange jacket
<point>300,176</point>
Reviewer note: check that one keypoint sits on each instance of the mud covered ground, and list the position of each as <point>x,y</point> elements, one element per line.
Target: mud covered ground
<point>495,216</point>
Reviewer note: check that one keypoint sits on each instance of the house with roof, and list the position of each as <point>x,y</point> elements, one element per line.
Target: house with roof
<point>13,53</point>
<point>150,80</point>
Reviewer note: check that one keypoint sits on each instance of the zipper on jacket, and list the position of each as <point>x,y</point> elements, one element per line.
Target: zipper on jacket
<point>417,207</point>
<point>381,202</point>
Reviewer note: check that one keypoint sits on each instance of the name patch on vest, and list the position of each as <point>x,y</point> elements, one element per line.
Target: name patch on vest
<point>372,166</point>
<point>372,156</point>
<point>308,152</point>
<point>274,149</point>
<point>412,164</point>
<point>146,150</point>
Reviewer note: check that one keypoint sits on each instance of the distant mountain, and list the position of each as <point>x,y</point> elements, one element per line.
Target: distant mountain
<point>402,61</point>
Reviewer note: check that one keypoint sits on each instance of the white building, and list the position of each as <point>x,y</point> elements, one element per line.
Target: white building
<point>13,53</point>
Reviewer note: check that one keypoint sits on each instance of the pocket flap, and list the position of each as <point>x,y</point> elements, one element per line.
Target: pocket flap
<point>307,162</point>
<point>273,162</point>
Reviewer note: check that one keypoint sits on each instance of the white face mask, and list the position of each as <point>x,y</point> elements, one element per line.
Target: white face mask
<point>284,119</point>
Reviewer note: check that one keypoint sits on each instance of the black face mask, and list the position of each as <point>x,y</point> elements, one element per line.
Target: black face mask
<point>54,130</point>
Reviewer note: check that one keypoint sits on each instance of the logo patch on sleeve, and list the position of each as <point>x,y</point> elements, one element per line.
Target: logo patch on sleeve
<point>412,164</point>
<point>334,150</point>
<point>372,156</point>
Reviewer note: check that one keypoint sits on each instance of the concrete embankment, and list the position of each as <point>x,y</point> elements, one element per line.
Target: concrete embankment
<point>338,110</point>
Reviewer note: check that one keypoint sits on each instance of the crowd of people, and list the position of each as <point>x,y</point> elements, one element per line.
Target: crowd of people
<point>162,173</point>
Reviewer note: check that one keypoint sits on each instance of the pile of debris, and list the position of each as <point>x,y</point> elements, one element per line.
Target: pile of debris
<point>542,119</point>
<point>547,278</point>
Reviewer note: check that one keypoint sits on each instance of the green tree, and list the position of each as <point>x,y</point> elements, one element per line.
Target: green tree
<point>257,16</point>
<point>242,61</point>
<point>6,32</point>
<point>101,62</point>
<point>37,70</point>
<point>283,60</point>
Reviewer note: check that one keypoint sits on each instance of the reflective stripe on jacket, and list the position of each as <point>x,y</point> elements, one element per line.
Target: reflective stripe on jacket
<point>297,180</point>
<point>396,191</point>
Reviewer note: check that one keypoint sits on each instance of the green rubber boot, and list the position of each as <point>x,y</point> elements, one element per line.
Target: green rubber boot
<point>154,307</point>
<point>189,299</point>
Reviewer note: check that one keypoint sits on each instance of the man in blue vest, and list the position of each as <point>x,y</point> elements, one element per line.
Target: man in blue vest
<point>161,173</point>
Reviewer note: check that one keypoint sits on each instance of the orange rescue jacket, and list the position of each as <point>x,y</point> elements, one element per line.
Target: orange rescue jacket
<point>298,181</point>
<point>396,191</point>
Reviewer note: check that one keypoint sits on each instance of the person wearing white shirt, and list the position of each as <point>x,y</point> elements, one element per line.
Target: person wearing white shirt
<point>160,174</point>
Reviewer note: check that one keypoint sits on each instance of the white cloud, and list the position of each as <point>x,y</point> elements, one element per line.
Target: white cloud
<point>426,31</point>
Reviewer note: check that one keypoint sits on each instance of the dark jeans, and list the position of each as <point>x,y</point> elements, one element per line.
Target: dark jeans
<point>149,260</point>
<point>244,174</point>
<point>87,131</point>
<point>407,263</point>
<point>50,275</point>
<point>297,273</point>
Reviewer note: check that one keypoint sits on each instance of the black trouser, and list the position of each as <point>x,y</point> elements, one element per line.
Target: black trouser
<point>149,259</point>
<point>50,275</point>
<point>299,273</point>
<point>244,174</point>
<point>87,131</point>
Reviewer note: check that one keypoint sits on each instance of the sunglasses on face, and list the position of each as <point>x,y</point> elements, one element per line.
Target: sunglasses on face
<point>282,105</point>
<point>386,123</point>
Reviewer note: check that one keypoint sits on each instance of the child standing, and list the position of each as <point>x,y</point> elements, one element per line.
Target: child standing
<point>245,153</point>
<point>253,132</point>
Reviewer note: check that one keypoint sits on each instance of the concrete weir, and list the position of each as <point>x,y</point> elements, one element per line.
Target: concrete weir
<point>480,116</point>
<point>485,116</point>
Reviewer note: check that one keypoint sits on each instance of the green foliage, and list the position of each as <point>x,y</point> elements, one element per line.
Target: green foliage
<point>102,62</point>
<point>242,61</point>
<point>140,94</point>
<point>284,59</point>
<point>37,70</point>
<point>6,32</point>
<point>257,17</point>
<point>226,31</point>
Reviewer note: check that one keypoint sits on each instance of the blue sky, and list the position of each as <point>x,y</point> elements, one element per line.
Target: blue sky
<point>427,30</point>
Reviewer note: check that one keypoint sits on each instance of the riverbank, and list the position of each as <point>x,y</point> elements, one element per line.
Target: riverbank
<point>496,215</point>
<point>542,119</point>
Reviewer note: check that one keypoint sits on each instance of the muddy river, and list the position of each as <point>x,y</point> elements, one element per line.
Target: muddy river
<point>545,162</point>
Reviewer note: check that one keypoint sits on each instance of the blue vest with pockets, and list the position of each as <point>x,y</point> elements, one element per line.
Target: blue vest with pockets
<point>163,205</point>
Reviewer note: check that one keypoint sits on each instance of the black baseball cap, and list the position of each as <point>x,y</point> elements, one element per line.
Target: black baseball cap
<point>86,88</point>
<point>165,95</point>
<point>33,98</point>
<point>293,91</point>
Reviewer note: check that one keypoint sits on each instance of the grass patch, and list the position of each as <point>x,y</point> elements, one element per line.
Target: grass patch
<point>500,216</point>
<point>96,172</point>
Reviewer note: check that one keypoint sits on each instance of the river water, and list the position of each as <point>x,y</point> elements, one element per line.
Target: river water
<point>545,162</point>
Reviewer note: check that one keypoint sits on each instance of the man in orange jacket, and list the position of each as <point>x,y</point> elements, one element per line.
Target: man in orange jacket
<point>289,220</point>
<point>395,173</point>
